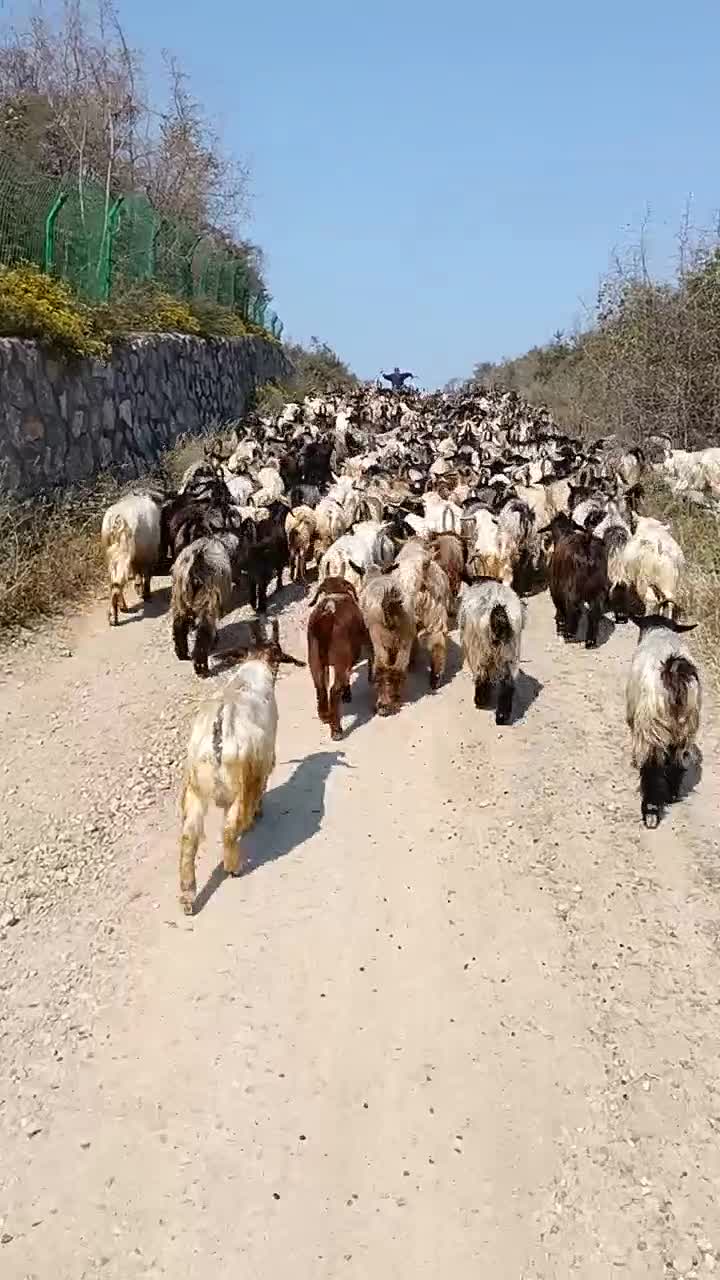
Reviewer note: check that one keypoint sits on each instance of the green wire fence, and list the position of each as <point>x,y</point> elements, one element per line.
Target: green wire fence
<point>101,244</point>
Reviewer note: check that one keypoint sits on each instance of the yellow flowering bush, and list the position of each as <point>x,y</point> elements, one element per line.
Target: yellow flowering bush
<point>35,305</point>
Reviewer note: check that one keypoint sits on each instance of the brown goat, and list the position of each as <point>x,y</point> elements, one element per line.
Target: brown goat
<point>450,553</point>
<point>578,576</point>
<point>392,629</point>
<point>336,638</point>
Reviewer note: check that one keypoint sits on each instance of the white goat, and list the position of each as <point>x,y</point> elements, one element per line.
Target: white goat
<point>130,535</point>
<point>698,470</point>
<point>240,487</point>
<point>491,622</point>
<point>654,563</point>
<point>231,755</point>
<point>352,554</point>
<point>488,552</point>
<point>271,487</point>
<point>663,700</point>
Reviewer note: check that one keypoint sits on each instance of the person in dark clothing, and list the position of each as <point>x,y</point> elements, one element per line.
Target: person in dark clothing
<point>397,379</point>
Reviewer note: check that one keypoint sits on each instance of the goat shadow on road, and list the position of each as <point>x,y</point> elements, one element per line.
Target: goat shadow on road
<point>527,690</point>
<point>606,630</point>
<point>155,607</point>
<point>418,684</point>
<point>292,813</point>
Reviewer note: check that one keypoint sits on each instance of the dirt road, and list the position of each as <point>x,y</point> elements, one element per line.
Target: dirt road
<point>462,1015</point>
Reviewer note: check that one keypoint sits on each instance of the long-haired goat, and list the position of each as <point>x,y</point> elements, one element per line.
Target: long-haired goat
<point>231,755</point>
<point>622,598</point>
<point>450,553</point>
<point>337,636</point>
<point>202,584</point>
<point>426,592</point>
<point>654,563</point>
<point>663,700</point>
<point>392,630</point>
<point>491,621</point>
<point>577,577</point>
<point>130,536</point>
<point>268,555</point>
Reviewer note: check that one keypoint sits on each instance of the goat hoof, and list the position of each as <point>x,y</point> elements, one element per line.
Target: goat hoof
<point>591,644</point>
<point>434,683</point>
<point>188,903</point>
<point>651,818</point>
<point>336,735</point>
<point>502,717</point>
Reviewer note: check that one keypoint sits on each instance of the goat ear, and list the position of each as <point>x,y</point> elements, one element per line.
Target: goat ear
<point>359,569</point>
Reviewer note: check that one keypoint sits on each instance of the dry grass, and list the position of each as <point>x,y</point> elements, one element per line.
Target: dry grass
<point>698,533</point>
<point>50,553</point>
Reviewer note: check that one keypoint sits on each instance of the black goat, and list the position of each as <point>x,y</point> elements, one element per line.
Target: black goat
<point>578,576</point>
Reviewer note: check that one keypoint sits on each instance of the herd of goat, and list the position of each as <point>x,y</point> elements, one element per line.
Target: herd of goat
<point>417,511</point>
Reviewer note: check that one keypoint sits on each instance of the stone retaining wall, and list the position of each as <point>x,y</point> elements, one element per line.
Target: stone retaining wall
<point>62,423</point>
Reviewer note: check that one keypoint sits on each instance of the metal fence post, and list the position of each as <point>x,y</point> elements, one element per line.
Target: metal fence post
<point>49,241</point>
<point>105,263</point>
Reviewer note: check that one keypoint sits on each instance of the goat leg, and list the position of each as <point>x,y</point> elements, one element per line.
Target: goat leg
<point>181,627</point>
<point>438,650</point>
<point>334,710</point>
<point>674,771</point>
<point>593,624</point>
<point>204,637</point>
<point>654,792</point>
<point>233,860</point>
<point>481,692</point>
<point>572,622</point>
<point>193,812</point>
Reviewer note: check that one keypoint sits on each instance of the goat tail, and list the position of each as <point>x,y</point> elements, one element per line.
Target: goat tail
<point>500,625</point>
<point>678,674</point>
<point>392,608</point>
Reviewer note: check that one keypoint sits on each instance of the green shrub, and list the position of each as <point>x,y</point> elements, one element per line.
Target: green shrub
<point>35,305</point>
<point>216,321</point>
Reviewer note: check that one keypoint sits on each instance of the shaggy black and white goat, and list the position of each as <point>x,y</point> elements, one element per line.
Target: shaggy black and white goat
<point>491,621</point>
<point>663,700</point>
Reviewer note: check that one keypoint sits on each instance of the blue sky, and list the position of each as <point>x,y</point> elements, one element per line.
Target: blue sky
<point>441,183</point>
